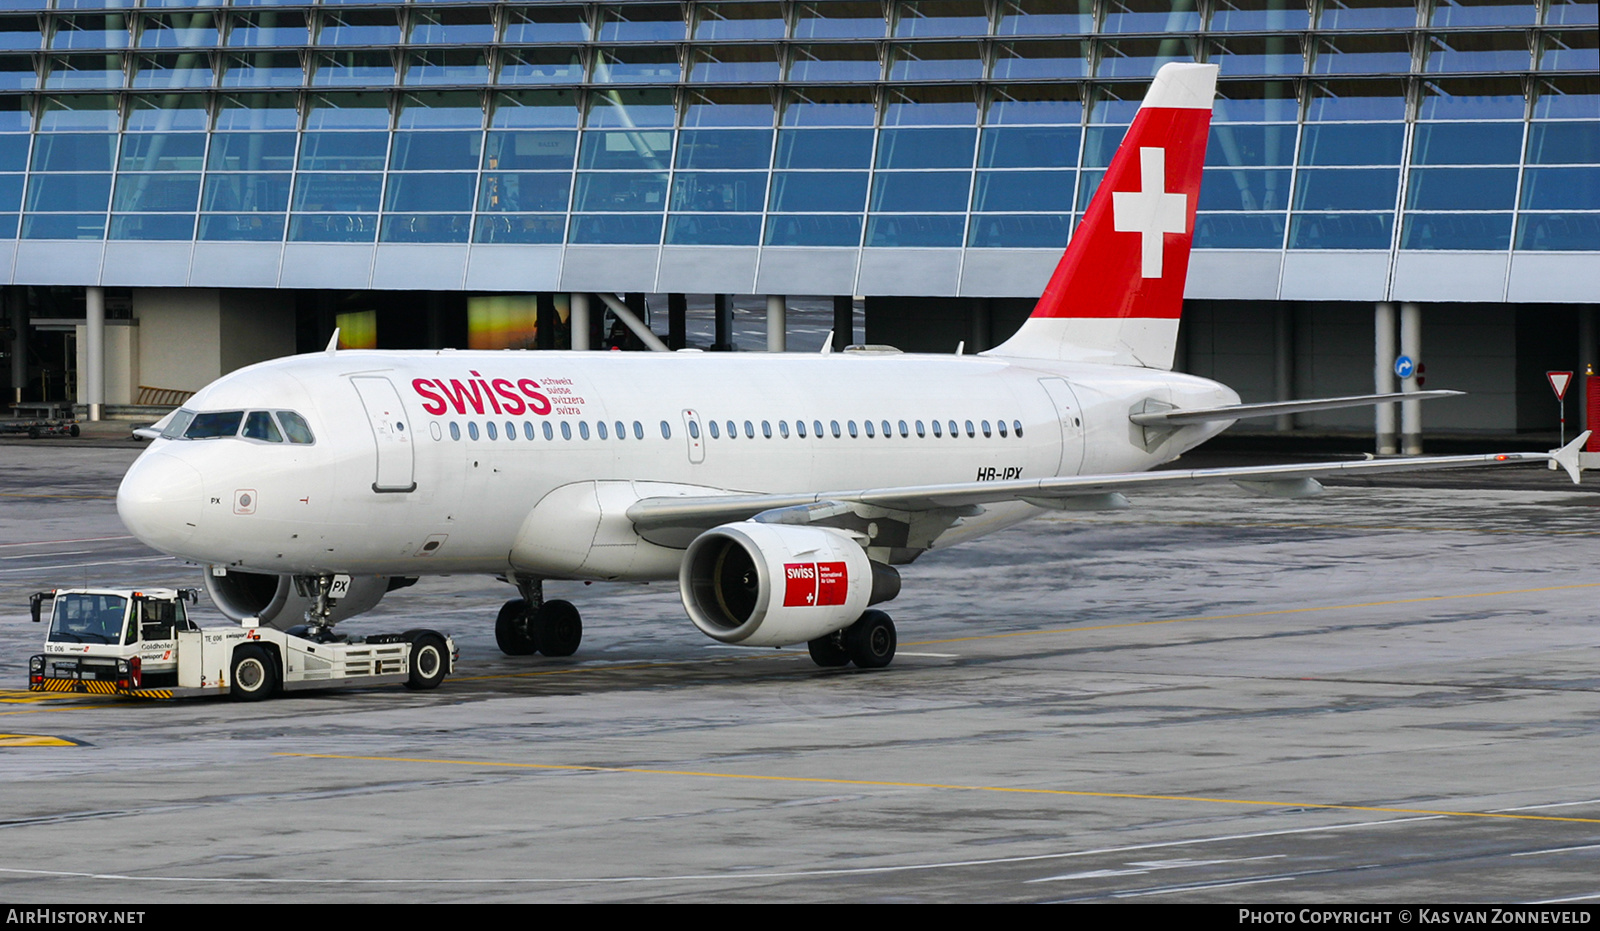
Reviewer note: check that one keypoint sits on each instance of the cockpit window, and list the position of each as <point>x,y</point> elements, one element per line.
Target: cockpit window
<point>258,425</point>
<point>208,426</point>
<point>293,424</point>
<point>178,423</point>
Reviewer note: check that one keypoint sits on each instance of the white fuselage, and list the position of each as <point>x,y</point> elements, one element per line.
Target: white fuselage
<point>346,503</point>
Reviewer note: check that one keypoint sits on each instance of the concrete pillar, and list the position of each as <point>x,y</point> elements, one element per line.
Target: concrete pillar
<point>677,321</point>
<point>1411,411</point>
<point>1383,351</point>
<point>94,332</point>
<point>777,321</point>
<point>579,320</point>
<point>1283,362</point>
<point>1586,361</point>
<point>546,320</point>
<point>844,321</point>
<point>18,305</point>
<point>724,324</point>
<point>978,326</point>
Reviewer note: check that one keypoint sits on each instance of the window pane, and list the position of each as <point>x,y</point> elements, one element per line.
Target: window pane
<point>912,231</point>
<point>1456,231</point>
<point>1151,16</point>
<point>1251,145</point>
<point>921,191</point>
<point>251,152</point>
<point>1046,17</point>
<point>1462,189</point>
<point>1352,144</point>
<point>716,148</point>
<point>1368,14</point>
<point>551,65</point>
<point>814,230</point>
<point>941,18</point>
<point>844,191</point>
<point>170,192</point>
<point>80,193</point>
<point>1237,189</point>
<point>336,228</point>
<point>1559,231</point>
<point>1025,190</point>
<point>1335,189</point>
<point>337,192</point>
<point>343,151</point>
<point>162,152</point>
<point>1466,143</point>
<point>1484,13</point>
<point>616,149</point>
<point>521,229</point>
<point>640,23</point>
<point>64,226</point>
<point>926,148</point>
<point>152,227</point>
<point>1564,143</point>
<point>552,150</point>
<point>435,151</point>
<point>622,191</point>
<point>1258,15</point>
<point>425,228</point>
<point>516,192</point>
<point>617,229</point>
<point>1561,189</point>
<point>431,191</point>
<point>548,25</point>
<point>1019,232</point>
<point>1042,147</point>
<point>1341,231</point>
<point>824,148</point>
<point>705,230</point>
<point>246,193</point>
<point>829,19</point>
<point>719,191</point>
<point>1238,231</point>
<point>242,228</point>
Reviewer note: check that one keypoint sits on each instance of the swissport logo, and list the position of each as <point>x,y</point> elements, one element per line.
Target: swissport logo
<point>482,396</point>
<point>813,584</point>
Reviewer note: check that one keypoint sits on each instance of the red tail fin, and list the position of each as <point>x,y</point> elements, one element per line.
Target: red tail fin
<point>1118,291</point>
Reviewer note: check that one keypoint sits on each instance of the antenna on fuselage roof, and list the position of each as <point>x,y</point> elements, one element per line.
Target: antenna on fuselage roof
<point>827,344</point>
<point>961,347</point>
<point>333,341</point>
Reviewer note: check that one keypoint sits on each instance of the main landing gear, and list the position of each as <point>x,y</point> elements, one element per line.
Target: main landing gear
<point>530,624</point>
<point>869,643</point>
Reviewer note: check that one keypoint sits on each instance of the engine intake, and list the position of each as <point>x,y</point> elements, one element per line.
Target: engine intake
<point>273,598</point>
<point>759,584</point>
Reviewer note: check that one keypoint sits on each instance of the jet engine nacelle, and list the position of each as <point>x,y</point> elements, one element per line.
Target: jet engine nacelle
<point>765,585</point>
<point>274,599</point>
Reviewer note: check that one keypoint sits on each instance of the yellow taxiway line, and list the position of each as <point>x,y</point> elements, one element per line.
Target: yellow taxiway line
<point>887,784</point>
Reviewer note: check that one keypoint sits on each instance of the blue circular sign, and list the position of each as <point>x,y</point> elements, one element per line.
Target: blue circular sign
<point>1404,367</point>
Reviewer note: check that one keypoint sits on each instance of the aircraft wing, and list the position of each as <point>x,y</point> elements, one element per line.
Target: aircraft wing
<point>1177,418</point>
<point>1066,492</point>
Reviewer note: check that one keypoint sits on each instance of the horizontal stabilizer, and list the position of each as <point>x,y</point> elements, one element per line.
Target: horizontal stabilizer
<point>1275,408</point>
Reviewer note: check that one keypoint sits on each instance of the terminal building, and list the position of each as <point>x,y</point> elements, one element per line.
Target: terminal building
<point>188,186</point>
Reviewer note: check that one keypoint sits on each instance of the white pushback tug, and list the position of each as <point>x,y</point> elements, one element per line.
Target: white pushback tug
<point>142,644</point>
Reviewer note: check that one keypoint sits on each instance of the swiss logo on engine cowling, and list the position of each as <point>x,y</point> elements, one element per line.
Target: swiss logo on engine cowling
<point>810,584</point>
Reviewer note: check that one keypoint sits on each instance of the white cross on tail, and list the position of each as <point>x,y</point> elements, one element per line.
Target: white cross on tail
<point>1150,211</point>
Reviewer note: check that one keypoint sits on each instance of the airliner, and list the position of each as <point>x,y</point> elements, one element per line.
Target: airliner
<point>780,491</point>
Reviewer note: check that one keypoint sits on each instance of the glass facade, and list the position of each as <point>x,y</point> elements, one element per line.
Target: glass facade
<point>1374,125</point>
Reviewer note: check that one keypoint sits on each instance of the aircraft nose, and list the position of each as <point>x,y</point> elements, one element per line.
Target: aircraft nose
<point>160,499</point>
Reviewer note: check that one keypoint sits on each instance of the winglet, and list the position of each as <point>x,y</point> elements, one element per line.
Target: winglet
<point>1567,456</point>
<point>333,342</point>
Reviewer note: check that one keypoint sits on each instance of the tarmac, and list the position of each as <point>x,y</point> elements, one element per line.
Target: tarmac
<point>1384,693</point>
